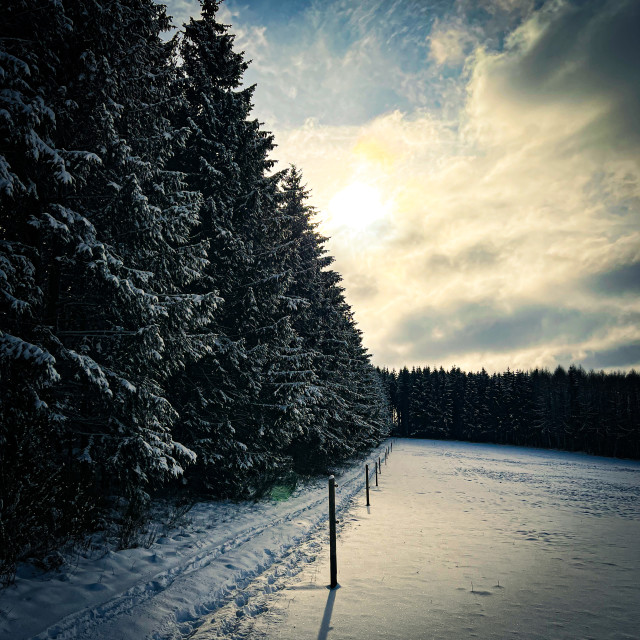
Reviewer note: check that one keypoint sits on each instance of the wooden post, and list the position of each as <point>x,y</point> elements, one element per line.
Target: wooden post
<point>379,464</point>
<point>376,474</point>
<point>332,532</point>
<point>366,467</point>
<point>392,446</point>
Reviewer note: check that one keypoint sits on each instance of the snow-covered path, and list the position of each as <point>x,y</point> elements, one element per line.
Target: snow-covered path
<point>461,540</point>
<point>475,541</point>
<point>228,553</point>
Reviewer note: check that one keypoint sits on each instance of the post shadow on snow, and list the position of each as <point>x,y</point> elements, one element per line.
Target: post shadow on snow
<point>325,625</point>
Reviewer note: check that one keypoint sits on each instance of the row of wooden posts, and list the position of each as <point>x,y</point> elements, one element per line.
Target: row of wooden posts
<point>332,511</point>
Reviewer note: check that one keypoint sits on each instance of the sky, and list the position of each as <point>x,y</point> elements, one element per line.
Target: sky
<point>475,164</point>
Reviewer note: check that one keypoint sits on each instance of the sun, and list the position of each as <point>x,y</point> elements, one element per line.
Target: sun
<point>358,206</point>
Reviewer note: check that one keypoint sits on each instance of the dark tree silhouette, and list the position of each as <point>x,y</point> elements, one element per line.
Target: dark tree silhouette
<point>574,410</point>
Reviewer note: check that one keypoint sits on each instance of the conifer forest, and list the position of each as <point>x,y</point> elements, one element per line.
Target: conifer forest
<point>169,318</point>
<point>573,410</point>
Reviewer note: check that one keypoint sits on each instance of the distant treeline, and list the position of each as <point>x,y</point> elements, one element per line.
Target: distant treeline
<point>574,410</point>
<point>168,314</point>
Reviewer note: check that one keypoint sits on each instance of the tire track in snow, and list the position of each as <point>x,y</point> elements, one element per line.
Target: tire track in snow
<point>231,613</point>
<point>233,618</point>
<point>88,622</point>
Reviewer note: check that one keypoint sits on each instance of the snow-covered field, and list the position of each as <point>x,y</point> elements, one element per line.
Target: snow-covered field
<point>461,540</point>
<point>475,541</point>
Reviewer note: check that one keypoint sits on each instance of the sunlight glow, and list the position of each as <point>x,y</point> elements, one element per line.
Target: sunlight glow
<point>358,206</point>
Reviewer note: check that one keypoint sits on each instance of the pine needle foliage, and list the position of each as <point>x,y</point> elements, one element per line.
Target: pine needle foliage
<point>167,311</point>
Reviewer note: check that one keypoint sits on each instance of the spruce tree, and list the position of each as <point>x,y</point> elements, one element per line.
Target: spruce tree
<point>96,244</point>
<point>39,502</point>
<point>242,403</point>
<point>346,408</point>
<point>122,313</point>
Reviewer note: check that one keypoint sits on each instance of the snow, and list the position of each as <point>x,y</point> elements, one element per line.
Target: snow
<point>167,589</point>
<point>91,370</point>
<point>461,540</point>
<point>475,541</point>
<point>16,348</point>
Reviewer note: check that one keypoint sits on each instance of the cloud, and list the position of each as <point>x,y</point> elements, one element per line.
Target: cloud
<point>513,207</point>
<point>624,356</point>
<point>492,328</point>
<point>621,280</point>
<point>476,327</point>
<point>504,138</point>
<point>581,61</point>
<point>362,287</point>
<point>478,256</point>
<point>322,61</point>
<point>450,44</point>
